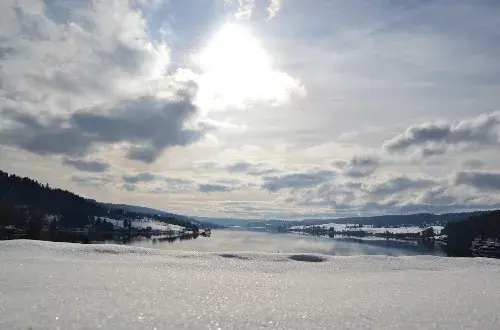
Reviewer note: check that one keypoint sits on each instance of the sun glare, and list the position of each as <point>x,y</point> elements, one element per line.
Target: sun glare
<point>232,51</point>
<point>237,70</point>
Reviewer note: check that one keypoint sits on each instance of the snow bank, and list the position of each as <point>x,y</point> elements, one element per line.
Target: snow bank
<point>62,285</point>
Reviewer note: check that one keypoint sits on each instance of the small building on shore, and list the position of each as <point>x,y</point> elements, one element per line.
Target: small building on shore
<point>485,247</point>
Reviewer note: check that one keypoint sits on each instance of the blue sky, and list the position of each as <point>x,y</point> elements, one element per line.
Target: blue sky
<point>256,109</point>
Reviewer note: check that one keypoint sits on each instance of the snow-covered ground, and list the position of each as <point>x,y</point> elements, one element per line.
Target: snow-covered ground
<point>145,222</point>
<point>336,226</point>
<point>47,285</point>
<point>401,230</point>
<point>371,229</point>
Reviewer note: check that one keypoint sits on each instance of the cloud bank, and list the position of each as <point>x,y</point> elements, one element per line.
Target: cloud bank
<point>477,132</point>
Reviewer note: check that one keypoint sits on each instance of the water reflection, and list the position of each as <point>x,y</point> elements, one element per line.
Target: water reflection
<point>237,240</point>
<point>139,239</point>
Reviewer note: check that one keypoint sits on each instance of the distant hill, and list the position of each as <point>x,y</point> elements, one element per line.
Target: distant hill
<point>154,212</point>
<point>418,219</point>
<point>226,222</point>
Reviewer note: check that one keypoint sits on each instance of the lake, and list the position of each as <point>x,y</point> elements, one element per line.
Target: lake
<point>239,240</point>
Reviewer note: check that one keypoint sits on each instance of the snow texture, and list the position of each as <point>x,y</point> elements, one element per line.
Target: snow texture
<point>46,285</point>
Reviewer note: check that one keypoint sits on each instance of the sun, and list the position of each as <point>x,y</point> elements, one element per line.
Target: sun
<point>237,70</point>
<point>234,50</point>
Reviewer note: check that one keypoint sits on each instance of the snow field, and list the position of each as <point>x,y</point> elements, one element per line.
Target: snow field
<point>45,285</point>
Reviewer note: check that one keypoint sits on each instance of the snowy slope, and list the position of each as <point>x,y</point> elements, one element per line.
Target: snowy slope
<point>145,222</point>
<point>47,285</point>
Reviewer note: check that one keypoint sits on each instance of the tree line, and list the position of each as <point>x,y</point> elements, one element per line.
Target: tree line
<point>462,233</point>
<point>28,205</point>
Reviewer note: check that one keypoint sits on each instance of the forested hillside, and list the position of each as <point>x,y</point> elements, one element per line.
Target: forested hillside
<point>26,203</point>
<point>19,191</point>
<point>460,234</point>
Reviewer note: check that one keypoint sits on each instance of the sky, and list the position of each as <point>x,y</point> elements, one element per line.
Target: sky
<point>256,108</point>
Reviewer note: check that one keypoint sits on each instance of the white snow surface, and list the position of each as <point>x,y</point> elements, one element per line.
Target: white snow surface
<point>145,222</point>
<point>45,285</point>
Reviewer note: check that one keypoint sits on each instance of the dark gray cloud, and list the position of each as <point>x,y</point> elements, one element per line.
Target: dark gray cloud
<point>94,181</point>
<point>359,166</point>
<point>130,187</point>
<point>172,186</point>
<point>475,132</point>
<point>432,151</point>
<point>177,181</point>
<point>261,172</point>
<point>30,134</point>
<point>240,167</point>
<point>148,124</point>
<point>398,184</point>
<point>296,180</point>
<point>232,182</point>
<point>206,165</point>
<point>140,177</point>
<point>86,165</point>
<point>253,169</point>
<point>146,154</point>
<point>167,185</point>
<point>159,184</point>
<point>473,164</point>
<point>437,196</point>
<point>207,188</point>
<point>479,180</point>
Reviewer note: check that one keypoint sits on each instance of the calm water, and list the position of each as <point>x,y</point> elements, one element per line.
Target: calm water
<point>238,240</point>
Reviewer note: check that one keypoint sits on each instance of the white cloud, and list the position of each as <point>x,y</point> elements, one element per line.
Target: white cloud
<point>274,7</point>
<point>249,9</point>
<point>64,61</point>
<point>92,54</point>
